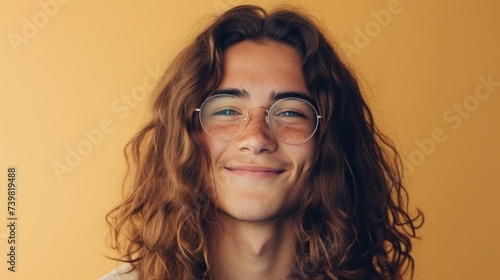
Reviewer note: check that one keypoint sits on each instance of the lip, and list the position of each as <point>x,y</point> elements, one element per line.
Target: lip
<point>254,171</point>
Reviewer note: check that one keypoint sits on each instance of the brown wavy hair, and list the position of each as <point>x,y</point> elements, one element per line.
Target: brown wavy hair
<point>354,223</point>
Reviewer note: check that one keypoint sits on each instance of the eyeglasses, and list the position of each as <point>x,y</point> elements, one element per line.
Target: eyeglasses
<point>292,120</point>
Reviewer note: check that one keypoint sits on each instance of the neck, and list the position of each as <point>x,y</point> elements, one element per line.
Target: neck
<point>252,250</point>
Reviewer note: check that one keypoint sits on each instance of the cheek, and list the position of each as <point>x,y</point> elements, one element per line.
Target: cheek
<point>291,134</point>
<point>215,148</point>
<point>305,154</point>
<point>225,131</point>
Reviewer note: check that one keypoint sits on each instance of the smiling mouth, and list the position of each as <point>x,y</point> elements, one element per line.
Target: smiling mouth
<point>255,171</point>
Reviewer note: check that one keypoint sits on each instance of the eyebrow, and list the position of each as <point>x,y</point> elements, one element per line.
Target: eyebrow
<point>292,94</point>
<point>275,95</point>
<point>232,91</point>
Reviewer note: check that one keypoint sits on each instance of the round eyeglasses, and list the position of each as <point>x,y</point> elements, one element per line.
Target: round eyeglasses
<point>292,120</point>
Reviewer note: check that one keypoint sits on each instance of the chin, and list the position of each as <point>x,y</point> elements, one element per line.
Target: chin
<point>256,212</point>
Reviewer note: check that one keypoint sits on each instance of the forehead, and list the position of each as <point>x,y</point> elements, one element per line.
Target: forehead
<point>262,68</point>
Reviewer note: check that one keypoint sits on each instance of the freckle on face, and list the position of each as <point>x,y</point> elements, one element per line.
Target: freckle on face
<point>292,134</point>
<point>225,131</point>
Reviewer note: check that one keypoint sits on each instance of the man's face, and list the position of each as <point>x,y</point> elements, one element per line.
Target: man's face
<point>255,177</point>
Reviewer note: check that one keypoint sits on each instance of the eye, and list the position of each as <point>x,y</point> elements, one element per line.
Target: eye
<point>289,113</point>
<point>225,112</point>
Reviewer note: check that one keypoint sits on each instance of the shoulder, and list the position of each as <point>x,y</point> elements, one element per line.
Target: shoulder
<point>121,273</point>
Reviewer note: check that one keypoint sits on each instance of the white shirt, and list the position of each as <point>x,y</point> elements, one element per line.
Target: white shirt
<point>121,273</point>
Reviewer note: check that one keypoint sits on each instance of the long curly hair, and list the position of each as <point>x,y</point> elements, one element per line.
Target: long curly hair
<point>354,223</point>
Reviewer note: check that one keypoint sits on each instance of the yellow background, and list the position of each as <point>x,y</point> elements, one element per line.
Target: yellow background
<point>82,61</point>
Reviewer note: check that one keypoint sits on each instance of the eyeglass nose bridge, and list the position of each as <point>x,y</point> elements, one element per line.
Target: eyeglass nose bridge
<point>247,118</point>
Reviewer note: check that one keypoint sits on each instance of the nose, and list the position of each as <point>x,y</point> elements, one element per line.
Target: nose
<point>257,137</point>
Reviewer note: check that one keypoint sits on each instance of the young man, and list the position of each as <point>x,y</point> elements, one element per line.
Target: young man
<point>262,161</point>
